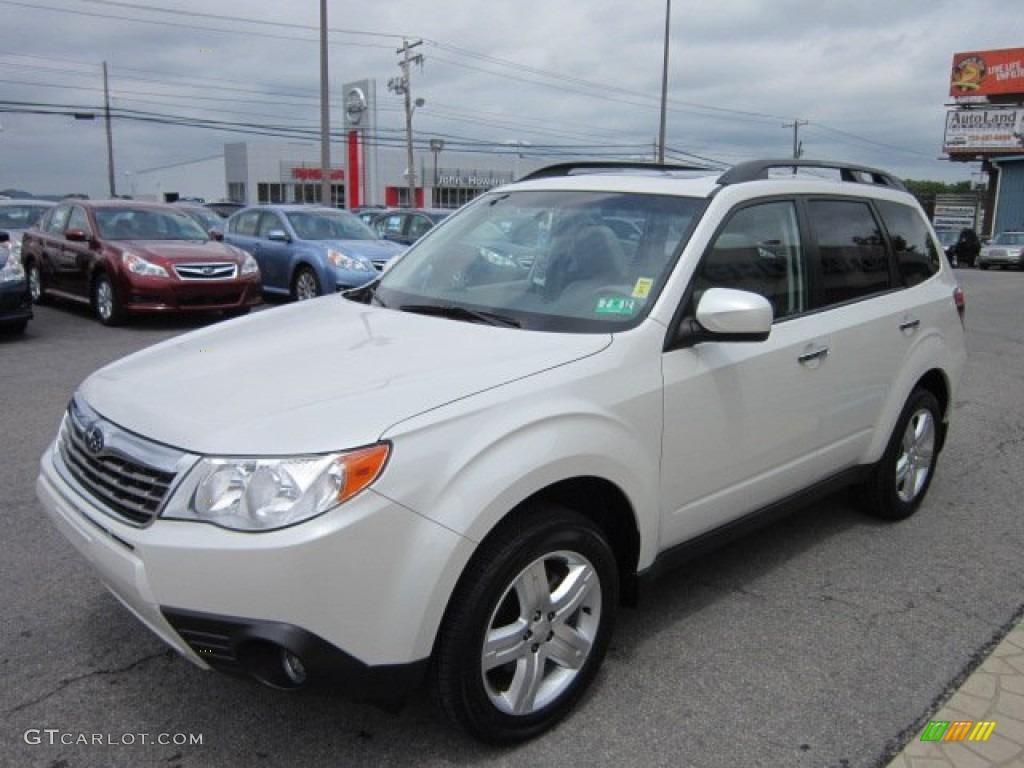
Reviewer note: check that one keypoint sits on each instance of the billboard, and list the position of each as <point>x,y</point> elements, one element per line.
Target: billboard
<point>987,73</point>
<point>988,131</point>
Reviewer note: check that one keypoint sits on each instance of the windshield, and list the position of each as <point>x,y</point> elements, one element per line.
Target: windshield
<point>329,225</point>
<point>20,216</point>
<point>206,218</point>
<point>1009,238</point>
<point>582,262</point>
<point>147,224</point>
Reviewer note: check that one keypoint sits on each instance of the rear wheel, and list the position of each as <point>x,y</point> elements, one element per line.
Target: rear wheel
<point>305,284</point>
<point>104,301</point>
<point>899,482</point>
<point>528,625</point>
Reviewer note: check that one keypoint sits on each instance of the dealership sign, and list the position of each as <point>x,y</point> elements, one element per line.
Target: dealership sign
<point>984,130</point>
<point>987,73</point>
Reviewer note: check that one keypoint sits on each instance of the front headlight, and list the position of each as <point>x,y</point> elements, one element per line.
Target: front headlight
<point>139,266</point>
<point>249,265</point>
<point>341,261</point>
<point>10,265</point>
<point>262,494</point>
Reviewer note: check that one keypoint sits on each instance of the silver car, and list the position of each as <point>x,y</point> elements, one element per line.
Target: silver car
<point>1005,250</point>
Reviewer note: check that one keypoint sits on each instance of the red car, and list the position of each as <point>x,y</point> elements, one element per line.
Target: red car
<point>124,257</point>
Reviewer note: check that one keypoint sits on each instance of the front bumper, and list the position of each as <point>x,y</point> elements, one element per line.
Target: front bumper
<point>149,295</point>
<point>15,302</point>
<point>357,593</point>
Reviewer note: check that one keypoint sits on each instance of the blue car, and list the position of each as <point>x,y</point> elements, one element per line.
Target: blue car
<point>306,251</point>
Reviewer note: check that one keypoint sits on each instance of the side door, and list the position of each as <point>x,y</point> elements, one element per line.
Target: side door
<point>275,253</point>
<point>743,420</point>
<point>860,310</point>
<point>79,253</point>
<point>54,267</point>
<point>241,232</point>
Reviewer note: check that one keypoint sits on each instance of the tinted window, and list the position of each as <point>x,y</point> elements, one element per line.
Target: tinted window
<point>57,221</point>
<point>270,222</point>
<point>245,223</point>
<point>78,220</point>
<point>851,250</point>
<point>916,255</point>
<point>758,250</point>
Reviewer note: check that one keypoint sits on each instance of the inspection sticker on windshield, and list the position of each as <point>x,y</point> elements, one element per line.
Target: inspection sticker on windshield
<point>643,286</point>
<point>615,305</point>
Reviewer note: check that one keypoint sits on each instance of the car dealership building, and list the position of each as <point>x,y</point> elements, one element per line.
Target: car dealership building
<point>365,169</point>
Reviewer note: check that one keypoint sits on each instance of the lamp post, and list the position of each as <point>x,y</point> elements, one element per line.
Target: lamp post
<point>436,145</point>
<point>519,146</point>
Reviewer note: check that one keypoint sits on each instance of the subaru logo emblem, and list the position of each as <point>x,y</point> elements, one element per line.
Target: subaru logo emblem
<point>208,270</point>
<point>94,439</point>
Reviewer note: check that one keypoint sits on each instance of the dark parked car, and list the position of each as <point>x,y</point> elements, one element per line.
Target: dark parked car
<point>406,226</point>
<point>306,251</point>
<point>205,217</point>
<point>224,208</point>
<point>128,257</point>
<point>15,300</point>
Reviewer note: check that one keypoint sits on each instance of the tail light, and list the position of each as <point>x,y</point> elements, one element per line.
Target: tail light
<point>960,301</point>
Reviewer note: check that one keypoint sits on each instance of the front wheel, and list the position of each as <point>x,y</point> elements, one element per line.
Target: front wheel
<point>305,285</point>
<point>35,283</point>
<point>899,482</point>
<point>104,301</point>
<point>528,625</point>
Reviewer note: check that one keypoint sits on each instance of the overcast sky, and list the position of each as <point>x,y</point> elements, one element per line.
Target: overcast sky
<point>870,77</point>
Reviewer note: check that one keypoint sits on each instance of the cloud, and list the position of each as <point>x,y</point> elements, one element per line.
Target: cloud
<point>869,77</point>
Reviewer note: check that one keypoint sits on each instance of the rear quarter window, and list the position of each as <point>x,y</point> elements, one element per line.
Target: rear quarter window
<point>917,258</point>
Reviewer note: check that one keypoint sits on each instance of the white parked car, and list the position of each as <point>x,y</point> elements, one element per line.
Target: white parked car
<point>457,473</point>
<point>1005,250</point>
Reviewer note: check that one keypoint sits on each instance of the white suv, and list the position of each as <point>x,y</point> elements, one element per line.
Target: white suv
<point>457,473</point>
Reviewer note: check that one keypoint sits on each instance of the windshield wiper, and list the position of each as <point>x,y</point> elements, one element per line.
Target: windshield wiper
<point>457,312</point>
<point>364,294</point>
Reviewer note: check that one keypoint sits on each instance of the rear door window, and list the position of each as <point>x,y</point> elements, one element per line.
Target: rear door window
<point>851,250</point>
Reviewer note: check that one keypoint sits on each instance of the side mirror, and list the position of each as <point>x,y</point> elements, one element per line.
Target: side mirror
<point>725,314</point>
<point>278,236</point>
<point>216,234</point>
<point>76,236</point>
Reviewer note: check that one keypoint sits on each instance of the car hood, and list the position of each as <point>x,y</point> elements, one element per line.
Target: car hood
<point>374,250</point>
<point>314,376</point>
<point>180,251</point>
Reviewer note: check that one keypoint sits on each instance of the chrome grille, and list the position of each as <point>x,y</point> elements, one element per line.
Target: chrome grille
<point>225,271</point>
<point>125,486</point>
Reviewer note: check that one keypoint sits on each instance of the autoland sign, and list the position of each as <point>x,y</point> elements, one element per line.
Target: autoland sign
<point>984,131</point>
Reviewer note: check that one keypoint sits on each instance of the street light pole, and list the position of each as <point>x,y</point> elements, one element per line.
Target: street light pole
<point>402,85</point>
<point>110,134</point>
<point>326,198</point>
<point>664,85</point>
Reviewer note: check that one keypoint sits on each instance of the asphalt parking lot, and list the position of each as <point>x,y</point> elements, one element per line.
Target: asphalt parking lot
<point>824,640</point>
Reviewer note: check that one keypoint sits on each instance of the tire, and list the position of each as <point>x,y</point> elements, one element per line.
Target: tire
<point>982,266</point>
<point>553,638</point>
<point>36,287</point>
<point>899,482</point>
<point>305,284</point>
<point>104,301</point>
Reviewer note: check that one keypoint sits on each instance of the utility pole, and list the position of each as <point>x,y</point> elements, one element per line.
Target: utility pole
<point>664,86</point>
<point>798,148</point>
<point>401,85</point>
<point>110,135</point>
<point>326,198</point>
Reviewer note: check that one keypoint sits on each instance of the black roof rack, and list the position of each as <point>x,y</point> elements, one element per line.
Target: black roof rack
<point>759,169</point>
<point>583,166</point>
